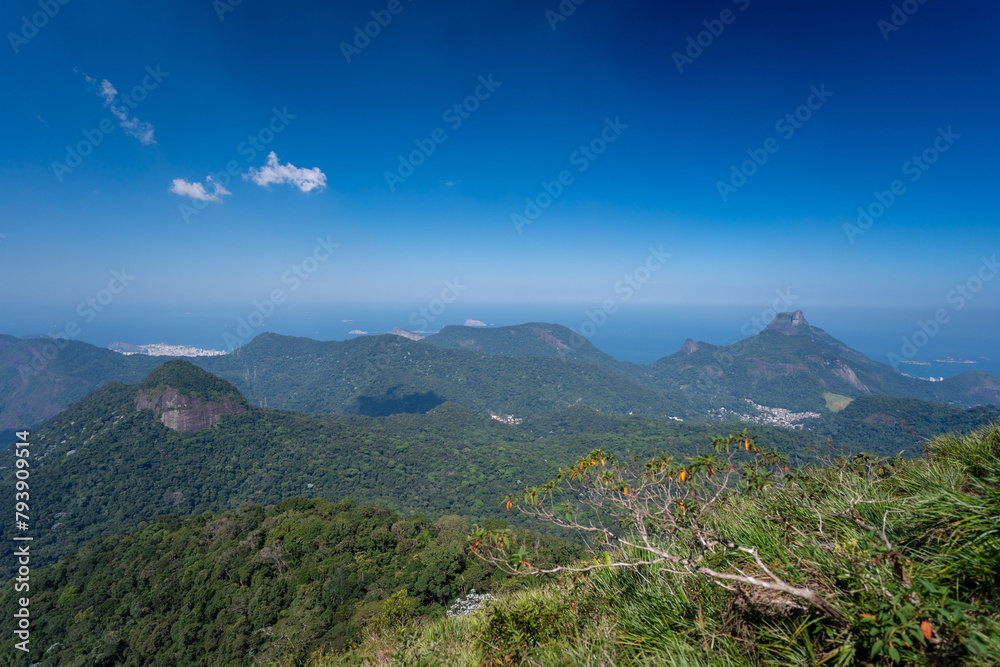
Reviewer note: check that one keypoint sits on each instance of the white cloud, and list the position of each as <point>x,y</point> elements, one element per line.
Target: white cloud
<point>275,172</point>
<point>197,190</point>
<point>133,127</point>
<point>108,92</point>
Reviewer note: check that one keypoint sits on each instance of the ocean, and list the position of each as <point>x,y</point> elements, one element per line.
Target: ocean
<point>638,333</point>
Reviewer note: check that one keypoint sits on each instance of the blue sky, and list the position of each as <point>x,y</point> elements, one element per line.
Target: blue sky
<point>548,85</point>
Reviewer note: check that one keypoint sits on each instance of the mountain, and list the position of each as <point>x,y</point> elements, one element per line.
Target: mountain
<point>386,374</point>
<point>187,398</point>
<point>41,376</point>
<point>534,339</point>
<point>371,375</point>
<point>793,365</point>
<point>111,461</point>
<point>525,370</point>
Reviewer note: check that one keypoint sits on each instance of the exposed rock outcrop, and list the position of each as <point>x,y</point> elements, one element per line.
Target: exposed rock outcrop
<point>182,413</point>
<point>407,334</point>
<point>689,346</point>
<point>846,374</point>
<point>546,335</point>
<point>789,323</point>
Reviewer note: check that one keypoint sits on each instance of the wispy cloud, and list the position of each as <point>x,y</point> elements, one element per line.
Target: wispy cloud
<point>197,190</point>
<point>275,172</point>
<point>108,92</point>
<point>133,127</point>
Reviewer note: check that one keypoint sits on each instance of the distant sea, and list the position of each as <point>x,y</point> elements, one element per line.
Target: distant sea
<point>636,333</point>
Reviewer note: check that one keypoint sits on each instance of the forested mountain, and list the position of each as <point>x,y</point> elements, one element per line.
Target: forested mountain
<point>39,376</point>
<point>794,365</point>
<point>370,375</point>
<point>526,370</point>
<point>109,465</point>
<point>248,585</point>
<point>386,374</point>
<point>235,582</point>
<point>533,339</point>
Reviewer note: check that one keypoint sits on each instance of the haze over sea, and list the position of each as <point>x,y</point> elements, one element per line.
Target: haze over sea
<point>639,333</point>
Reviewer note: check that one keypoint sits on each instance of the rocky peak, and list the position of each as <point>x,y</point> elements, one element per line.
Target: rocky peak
<point>689,346</point>
<point>790,324</point>
<point>187,398</point>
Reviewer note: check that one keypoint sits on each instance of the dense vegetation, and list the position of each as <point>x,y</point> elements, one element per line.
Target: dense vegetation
<point>533,339</point>
<point>525,370</point>
<point>104,467</point>
<point>180,375</point>
<point>248,585</point>
<point>376,375</point>
<point>885,426</point>
<point>904,551</point>
<point>237,578</point>
<point>39,378</point>
<point>794,369</point>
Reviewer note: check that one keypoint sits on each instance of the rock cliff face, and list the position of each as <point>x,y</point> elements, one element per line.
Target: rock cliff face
<point>846,374</point>
<point>546,335</point>
<point>689,346</point>
<point>789,323</point>
<point>407,334</point>
<point>184,414</point>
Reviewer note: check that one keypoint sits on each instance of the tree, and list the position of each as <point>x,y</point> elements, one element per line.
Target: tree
<point>678,515</point>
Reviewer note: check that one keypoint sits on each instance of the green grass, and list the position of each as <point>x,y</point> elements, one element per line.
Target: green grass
<point>934,571</point>
<point>836,402</point>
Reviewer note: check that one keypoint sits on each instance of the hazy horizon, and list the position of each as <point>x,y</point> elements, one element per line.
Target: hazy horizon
<point>635,333</point>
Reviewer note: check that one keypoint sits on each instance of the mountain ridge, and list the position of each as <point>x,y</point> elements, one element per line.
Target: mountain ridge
<point>526,370</point>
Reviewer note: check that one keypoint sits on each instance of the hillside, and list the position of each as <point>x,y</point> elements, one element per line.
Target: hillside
<point>248,585</point>
<point>370,375</point>
<point>39,378</point>
<point>449,461</point>
<point>386,374</point>
<point>886,426</point>
<point>525,370</point>
<point>860,562</point>
<point>533,339</point>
